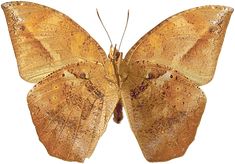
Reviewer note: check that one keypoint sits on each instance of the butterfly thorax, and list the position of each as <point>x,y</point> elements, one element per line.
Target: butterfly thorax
<point>116,57</point>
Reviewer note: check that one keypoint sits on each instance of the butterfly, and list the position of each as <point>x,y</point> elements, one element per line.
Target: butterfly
<point>79,88</point>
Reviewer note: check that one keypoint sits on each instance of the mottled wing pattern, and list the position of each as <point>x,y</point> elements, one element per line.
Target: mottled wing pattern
<point>45,40</point>
<point>164,109</point>
<point>160,78</point>
<point>70,109</point>
<point>188,42</point>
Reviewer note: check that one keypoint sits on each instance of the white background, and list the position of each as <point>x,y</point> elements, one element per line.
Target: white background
<point>215,139</point>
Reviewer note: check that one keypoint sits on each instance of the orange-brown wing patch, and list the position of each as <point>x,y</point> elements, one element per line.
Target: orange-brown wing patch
<point>70,109</point>
<point>164,110</point>
<point>45,40</point>
<point>189,42</point>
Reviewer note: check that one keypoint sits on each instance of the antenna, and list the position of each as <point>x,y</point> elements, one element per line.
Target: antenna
<point>124,30</point>
<point>104,27</point>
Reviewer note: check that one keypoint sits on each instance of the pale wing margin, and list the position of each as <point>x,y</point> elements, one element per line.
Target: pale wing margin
<point>45,40</point>
<point>189,42</point>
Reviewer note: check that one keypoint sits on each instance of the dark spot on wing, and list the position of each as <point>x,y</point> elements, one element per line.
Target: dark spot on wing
<point>139,89</point>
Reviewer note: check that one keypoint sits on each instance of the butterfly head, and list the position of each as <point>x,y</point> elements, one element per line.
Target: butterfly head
<point>114,54</point>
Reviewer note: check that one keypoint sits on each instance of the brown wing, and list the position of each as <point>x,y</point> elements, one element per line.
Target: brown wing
<point>164,109</point>
<point>189,42</point>
<point>44,40</point>
<point>70,109</point>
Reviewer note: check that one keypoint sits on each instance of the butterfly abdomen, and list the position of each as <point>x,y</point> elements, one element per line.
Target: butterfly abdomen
<point>117,113</point>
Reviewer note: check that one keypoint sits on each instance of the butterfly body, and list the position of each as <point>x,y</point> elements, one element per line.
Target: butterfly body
<point>78,88</point>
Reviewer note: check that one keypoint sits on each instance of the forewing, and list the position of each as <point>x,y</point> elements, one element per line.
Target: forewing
<point>189,42</point>
<point>164,110</point>
<point>70,109</point>
<point>44,40</point>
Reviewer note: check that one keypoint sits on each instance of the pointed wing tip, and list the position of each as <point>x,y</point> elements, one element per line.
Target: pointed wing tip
<point>229,9</point>
<point>225,9</point>
<point>6,5</point>
<point>9,4</point>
